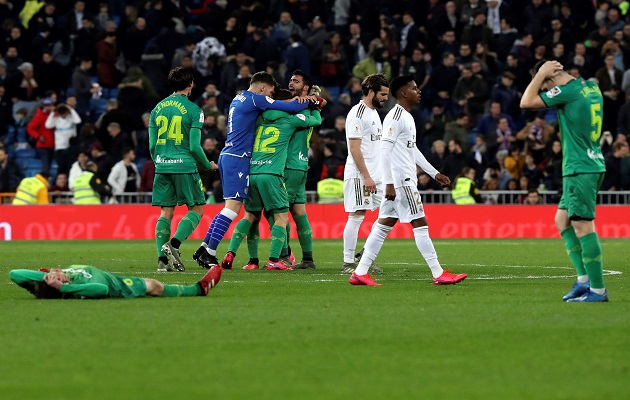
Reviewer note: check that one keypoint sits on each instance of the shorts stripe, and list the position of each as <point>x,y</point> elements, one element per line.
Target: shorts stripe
<point>357,188</point>
<point>412,205</point>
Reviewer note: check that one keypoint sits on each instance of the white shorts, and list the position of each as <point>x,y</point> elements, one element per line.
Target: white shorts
<point>355,198</point>
<point>406,207</point>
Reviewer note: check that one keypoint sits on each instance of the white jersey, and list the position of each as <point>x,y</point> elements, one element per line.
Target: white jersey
<point>399,130</point>
<point>364,123</point>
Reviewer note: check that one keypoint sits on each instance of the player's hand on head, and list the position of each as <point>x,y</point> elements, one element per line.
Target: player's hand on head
<point>390,192</point>
<point>53,281</point>
<point>550,68</point>
<point>443,180</point>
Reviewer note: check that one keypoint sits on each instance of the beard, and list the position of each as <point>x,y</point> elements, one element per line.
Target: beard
<point>376,103</point>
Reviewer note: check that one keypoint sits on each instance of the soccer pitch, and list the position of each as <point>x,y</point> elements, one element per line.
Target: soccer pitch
<point>503,333</point>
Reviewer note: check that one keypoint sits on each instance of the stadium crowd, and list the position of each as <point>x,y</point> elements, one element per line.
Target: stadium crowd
<point>78,78</point>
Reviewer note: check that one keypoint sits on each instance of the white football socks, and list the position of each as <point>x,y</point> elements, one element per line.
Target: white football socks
<point>372,247</point>
<point>425,245</point>
<point>582,278</point>
<point>350,236</point>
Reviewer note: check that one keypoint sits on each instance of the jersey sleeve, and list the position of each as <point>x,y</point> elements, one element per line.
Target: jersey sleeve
<point>557,96</point>
<point>197,119</point>
<point>152,135</point>
<point>354,127</point>
<point>26,278</point>
<point>88,290</point>
<point>391,130</point>
<point>267,103</point>
<point>304,121</point>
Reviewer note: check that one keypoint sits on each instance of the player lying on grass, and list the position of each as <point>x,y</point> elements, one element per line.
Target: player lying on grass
<point>87,282</point>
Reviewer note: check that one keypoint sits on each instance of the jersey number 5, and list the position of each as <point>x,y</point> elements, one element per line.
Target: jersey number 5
<point>174,129</point>
<point>596,121</point>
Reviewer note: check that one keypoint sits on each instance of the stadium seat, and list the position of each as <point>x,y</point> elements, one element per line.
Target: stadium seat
<point>25,153</point>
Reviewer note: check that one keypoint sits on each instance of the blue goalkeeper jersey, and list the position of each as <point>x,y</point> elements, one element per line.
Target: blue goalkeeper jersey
<point>241,123</point>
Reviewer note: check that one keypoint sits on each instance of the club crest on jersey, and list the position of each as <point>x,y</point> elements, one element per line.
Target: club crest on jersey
<point>554,91</point>
<point>390,132</point>
<point>357,128</point>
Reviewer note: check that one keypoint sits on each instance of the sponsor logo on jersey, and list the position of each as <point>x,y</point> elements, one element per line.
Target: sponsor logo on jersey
<point>240,98</point>
<point>258,162</point>
<point>374,138</point>
<point>201,118</point>
<point>301,116</point>
<point>240,174</point>
<point>411,144</point>
<point>301,157</point>
<point>594,156</point>
<point>554,91</point>
<point>161,160</point>
<point>77,271</point>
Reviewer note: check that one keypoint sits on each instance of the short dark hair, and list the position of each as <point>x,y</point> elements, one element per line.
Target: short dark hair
<point>125,151</point>
<point>180,78</point>
<point>42,290</point>
<point>374,83</point>
<point>282,94</point>
<point>398,83</point>
<point>45,174</point>
<point>308,80</point>
<point>264,78</point>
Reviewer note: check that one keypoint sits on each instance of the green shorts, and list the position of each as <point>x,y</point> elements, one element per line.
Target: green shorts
<point>170,190</point>
<point>267,192</point>
<point>128,287</point>
<point>295,181</point>
<point>579,195</point>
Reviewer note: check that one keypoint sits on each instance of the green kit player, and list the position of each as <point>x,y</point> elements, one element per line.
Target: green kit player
<point>579,105</point>
<point>87,282</point>
<point>175,146</point>
<point>267,189</point>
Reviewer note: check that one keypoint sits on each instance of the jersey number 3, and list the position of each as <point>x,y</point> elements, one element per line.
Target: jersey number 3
<point>174,129</point>
<point>596,121</point>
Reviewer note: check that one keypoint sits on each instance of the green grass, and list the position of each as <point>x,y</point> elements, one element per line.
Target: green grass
<point>503,333</point>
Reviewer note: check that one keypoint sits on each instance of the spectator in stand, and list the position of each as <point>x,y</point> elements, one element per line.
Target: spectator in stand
<point>106,58</point>
<point>315,37</point>
<point>16,131</point>
<point>296,56</point>
<point>63,121</point>
<point>147,176</point>
<point>479,152</point>
<point>609,74</point>
<point>581,59</point>
<point>435,125</point>
<point>210,179</point>
<point>505,137</point>
<point>425,183</point>
<point>507,95</point>
<point>50,75</point>
<point>44,137</point>
<point>444,78</point>
<point>13,60</point>
<point>478,31</point>
<point>519,70</point>
<point>552,167</point>
<point>102,160</point>
<point>134,100</point>
<point>514,162</point>
<point>11,173</point>
<point>448,44</point>
<point>32,190</point>
<point>24,89</point>
<point>232,67</point>
<point>535,135</point>
<point>333,67</point>
<point>376,63</point>
<point>458,130</point>
<point>136,39</point>
<point>417,66</point>
<point>438,154</point>
<point>287,25</point>
<point>86,137</point>
<point>533,197</point>
<point>613,177</point>
<point>469,9</point>
<point>491,184</point>
<point>61,185</point>
<point>124,176</point>
<point>623,116</point>
<point>77,168</point>
<point>531,171</point>
<point>210,130</point>
<point>488,125</point>
<point>82,86</point>
<point>112,113</point>
<point>333,166</point>
<point>456,160</point>
<point>120,141</point>
<point>470,93</point>
<point>211,90</point>
<point>357,45</point>
<point>506,38</point>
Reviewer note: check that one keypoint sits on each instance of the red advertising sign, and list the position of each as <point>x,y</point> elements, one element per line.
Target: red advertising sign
<point>133,222</point>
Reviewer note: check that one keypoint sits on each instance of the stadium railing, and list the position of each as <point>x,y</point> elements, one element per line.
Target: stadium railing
<point>428,197</point>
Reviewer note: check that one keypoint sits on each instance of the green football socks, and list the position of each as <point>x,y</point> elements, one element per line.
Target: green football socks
<point>278,237</point>
<point>162,234</point>
<point>574,249</point>
<point>240,231</point>
<point>592,258</point>
<point>305,236</point>
<point>285,248</point>
<point>187,225</point>
<point>252,241</point>
<point>182,291</point>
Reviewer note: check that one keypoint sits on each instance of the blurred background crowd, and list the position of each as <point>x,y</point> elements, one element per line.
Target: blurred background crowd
<point>78,79</point>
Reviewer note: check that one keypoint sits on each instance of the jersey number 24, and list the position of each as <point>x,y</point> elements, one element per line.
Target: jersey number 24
<point>174,128</point>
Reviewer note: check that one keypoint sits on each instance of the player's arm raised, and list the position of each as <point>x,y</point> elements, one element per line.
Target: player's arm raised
<point>267,103</point>
<point>531,100</point>
<point>304,121</point>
